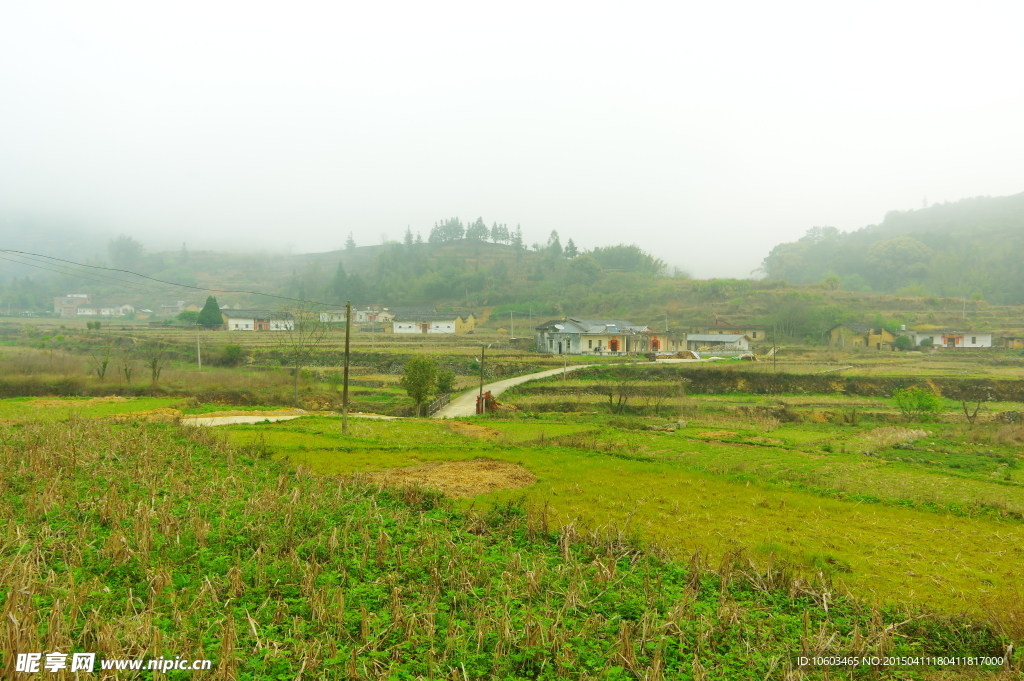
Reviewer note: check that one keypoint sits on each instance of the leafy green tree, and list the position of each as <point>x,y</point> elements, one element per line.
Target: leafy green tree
<point>554,245</point>
<point>570,250</point>
<point>445,381</point>
<point>927,342</point>
<point>420,380</point>
<point>210,317</point>
<point>585,269</point>
<point>916,403</point>
<point>903,343</point>
<point>125,252</point>
<point>628,258</point>
<point>477,231</point>
<point>231,356</point>
<point>190,317</point>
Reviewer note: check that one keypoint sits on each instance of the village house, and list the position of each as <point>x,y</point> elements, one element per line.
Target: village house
<point>572,336</point>
<point>720,342</point>
<point>949,338</point>
<point>434,322</point>
<point>98,311</point>
<point>1012,342</point>
<point>754,333</point>
<point>859,335</point>
<point>67,305</point>
<point>257,320</point>
<point>174,309</point>
<point>367,316</point>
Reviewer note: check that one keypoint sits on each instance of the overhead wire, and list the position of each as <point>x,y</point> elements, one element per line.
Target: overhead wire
<point>25,254</point>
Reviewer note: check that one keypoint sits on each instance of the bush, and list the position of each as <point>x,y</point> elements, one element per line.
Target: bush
<point>231,356</point>
<point>916,403</point>
<point>927,342</point>
<point>445,381</point>
<point>903,343</point>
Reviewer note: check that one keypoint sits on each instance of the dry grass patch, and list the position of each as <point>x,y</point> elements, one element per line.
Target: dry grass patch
<point>76,403</point>
<point>886,437</point>
<point>162,415</point>
<point>472,429</point>
<point>461,479</point>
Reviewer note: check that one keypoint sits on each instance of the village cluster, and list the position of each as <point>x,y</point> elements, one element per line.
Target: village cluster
<point>568,335</point>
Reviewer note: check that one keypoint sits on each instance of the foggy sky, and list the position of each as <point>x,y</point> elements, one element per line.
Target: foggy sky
<point>704,132</point>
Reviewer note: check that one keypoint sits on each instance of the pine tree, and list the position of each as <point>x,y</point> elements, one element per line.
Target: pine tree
<point>570,250</point>
<point>209,316</point>
<point>554,245</point>
<point>408,236</point>
<point>350,243</point>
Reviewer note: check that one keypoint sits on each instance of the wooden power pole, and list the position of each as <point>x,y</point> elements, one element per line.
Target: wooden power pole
<point>344,380</point>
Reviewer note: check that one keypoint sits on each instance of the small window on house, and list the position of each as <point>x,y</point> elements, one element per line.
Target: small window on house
<point>551,343</point>
<point>590,343</point>
<point>974,340</point>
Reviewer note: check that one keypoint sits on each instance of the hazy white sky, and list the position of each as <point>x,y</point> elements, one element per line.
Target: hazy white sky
<point>704,132</point>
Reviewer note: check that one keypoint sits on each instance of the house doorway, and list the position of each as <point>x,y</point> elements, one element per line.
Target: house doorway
<point>559,347</point>
<point>613,345</point>
<point>655,345</point>
<point>950,342</point>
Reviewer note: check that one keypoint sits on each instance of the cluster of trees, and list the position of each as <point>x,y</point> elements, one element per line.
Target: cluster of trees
<point>974,247</point>
<point>453,229</point>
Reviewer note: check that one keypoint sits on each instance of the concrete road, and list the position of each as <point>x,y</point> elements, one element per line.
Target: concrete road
<point>465,404</point>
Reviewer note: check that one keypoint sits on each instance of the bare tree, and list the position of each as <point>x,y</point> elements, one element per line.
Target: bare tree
<point>299,331</point>
<point>99,357</point>
<point>155,354</point>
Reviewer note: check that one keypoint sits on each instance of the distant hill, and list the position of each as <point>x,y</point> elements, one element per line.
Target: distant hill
<point>973,247</point>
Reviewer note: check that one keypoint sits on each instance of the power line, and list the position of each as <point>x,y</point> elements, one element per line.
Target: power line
<point>25,254</point>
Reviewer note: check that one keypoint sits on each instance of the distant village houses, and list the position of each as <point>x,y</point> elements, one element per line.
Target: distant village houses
<point>435,322</point>
<point>366,316</point>
<point>78,305</point>
<point>573,336</point>
<point>723,342</point>
<point>858,335</point>
<point>948,338</point>
<point>257,320</point>
<point>174,309</point>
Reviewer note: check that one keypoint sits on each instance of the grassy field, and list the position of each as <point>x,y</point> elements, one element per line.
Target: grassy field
<point>148,540</point>
<point>799,499</point>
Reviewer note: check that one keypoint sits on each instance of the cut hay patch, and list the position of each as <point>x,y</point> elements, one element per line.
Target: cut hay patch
<point>149,416</point>
<point>462,479</point>
<point>473,430</point>
<point>717,433</point>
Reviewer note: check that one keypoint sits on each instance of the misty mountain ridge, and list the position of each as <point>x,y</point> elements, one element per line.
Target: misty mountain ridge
<point>970,248</point>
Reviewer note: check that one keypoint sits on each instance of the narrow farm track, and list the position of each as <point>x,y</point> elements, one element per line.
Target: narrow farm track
<point>465,404</point>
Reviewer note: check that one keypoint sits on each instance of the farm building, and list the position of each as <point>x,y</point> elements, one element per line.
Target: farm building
<point>949,338</point>
<point>173,309</point>
<point>858,335</point>
<point>717,341</point>
<point>751,331</point>
<point>257,320</point>
<point>67,305</point>
<point>574,336</point>
<point>367,316</point>
<point>434,322</point>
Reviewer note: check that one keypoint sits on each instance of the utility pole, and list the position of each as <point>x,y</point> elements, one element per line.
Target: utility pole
<point>512,323</point>
<point>199,356</point>
<point>344,384</point>
<point>666,322</point>
<point>482,348</point>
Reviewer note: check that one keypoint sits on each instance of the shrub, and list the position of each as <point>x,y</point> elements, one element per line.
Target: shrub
<point>903,343</point>
<point>916,403</point>
<point>231,356</point>
<point>445,381</point>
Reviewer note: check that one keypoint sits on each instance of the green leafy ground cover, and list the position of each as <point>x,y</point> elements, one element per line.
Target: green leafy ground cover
<point>146,540</point>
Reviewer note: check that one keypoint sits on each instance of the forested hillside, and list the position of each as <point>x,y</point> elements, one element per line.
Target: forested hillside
<point>971,248</point>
